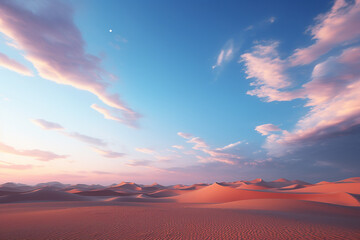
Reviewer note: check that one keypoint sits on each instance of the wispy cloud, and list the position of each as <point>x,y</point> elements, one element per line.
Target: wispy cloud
<point>225,55</point>
<point>13,65</point>
<point>185,135</point>
<point>35,153</point>
<point>55,126</point>
<point>231,145</point>
<point>180,147</point>
<point>146,151</point>
<point>127,118</point>
<point>54,45</point>
<point>13,166</point>
<point>139,163</point>
<point>47,125</point>
<point>266,129</point>
<point>213,155</point>
<point>85,138</point>
<point>109,154</point>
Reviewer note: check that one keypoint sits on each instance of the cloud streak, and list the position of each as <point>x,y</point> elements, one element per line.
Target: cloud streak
<point>13,65</point>
<point>34,153</point>
<point>46,125</point>
<point>225,55</point>
<point>12,166</point>
<point>212,155</point>
<point>109,154</point>
<point>266,129</point>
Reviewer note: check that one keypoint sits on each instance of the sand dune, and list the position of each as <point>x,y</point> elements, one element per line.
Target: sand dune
<point>126,186</point>
<point>332,187</point>
<point>42,195</point>
<point>291,187</point>
<point>288,205</point>
<point>351,180</point>
<point>221,194</point>
<point>105,192</point>
<point>165,193</point>
<point>139,198</point>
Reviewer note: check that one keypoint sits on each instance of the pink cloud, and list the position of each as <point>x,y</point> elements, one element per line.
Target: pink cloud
<point>214,155</point>
<point>268,73</point>
<point>265,129</point>
<point>146,151</point>
<point>185,135</point>
<point>54,45</point>
<point>127,118</point>
<point>139,163</point>
<point>178,146</point>
<point>334,97</point>
<point>109,154</point>
<point>340,25</point>
<point>232,145</point>
<point>35,153</point>
<point>47,125</point>
<point>55,126</point>
<point>13,65</point>
<point>8,165</point>
<point>199,143</point>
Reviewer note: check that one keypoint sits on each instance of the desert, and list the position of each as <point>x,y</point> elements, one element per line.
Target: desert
<point>222,210</point>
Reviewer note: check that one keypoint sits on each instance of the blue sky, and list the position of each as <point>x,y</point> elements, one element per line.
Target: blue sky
<point>215,70</point>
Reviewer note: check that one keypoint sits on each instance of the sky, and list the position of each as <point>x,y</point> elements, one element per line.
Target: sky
<point>179,91</point>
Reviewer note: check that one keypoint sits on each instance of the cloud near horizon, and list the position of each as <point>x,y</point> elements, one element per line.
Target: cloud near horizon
<point>34,153</point>
<point>54,45</point>
<point>12,166</point>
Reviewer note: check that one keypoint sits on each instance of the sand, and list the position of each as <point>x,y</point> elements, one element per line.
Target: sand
<point>166,221</point>
<point>281,209</point>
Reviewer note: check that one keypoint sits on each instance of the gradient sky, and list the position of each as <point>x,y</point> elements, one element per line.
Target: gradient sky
<point>179,91</point>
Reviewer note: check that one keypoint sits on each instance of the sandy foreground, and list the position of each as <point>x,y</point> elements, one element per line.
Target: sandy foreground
<point>74,220</point>
<point>256,209</point>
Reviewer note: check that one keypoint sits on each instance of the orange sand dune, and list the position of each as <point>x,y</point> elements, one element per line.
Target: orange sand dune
<point>139,198</point>
<point>351,180</point>
<point>252,187</point>
<point>126,186</point>
<point>291,187</point>
<point>221,194</point>
<point>191,187</point>
<point>287,205</point>
<point>165,193</point>
<point>332,187</point>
